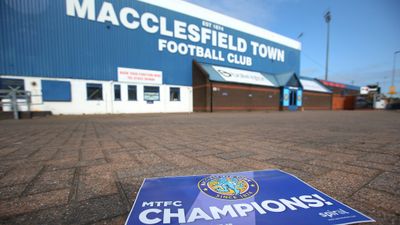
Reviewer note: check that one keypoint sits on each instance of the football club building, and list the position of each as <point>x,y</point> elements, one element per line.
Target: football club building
<point>143,56</point>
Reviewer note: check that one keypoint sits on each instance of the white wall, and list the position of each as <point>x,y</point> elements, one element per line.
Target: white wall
<point>80,105</point>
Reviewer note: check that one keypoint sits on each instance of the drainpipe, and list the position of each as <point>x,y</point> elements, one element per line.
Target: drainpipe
<point>211,97</point>
<point>111,98</point>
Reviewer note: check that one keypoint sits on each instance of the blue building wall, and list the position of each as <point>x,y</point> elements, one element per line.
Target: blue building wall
<point>38,38</point>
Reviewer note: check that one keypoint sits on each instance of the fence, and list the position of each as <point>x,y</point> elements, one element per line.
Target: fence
<point>15,99</point>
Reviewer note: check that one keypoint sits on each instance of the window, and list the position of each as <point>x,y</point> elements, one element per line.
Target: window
<point>56,91</point>
<point>174,94</point>
<point>117,92</point>
<point>132,93</point>
<point>94,91</point>
<point>151,93</point>
<point>6,83</point>
<point>17,84</point>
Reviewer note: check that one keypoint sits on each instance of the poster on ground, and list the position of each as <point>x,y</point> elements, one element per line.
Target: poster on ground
<point>270,197</point>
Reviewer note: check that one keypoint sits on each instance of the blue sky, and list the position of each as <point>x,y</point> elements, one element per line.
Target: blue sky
<point>364,34</point>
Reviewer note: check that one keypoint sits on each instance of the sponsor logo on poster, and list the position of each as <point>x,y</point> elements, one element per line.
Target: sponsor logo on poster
<point>242,76</point>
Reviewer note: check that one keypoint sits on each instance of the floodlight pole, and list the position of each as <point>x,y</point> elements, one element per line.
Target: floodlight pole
<point>327,17</point>
<point>394,68</point>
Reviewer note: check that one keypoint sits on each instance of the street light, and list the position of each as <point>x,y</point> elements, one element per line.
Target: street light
<point>327,17</point>
<point>392,88</point>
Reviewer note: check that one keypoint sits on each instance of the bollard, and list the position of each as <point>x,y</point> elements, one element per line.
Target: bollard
<point>14,104</point>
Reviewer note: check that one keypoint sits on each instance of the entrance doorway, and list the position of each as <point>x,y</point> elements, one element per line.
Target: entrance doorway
<point>292,100</point>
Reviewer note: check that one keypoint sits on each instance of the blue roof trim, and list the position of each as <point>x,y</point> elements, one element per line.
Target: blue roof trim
<point>352,87</point>
<point>283,78</point>
<point>271,78</point>
<point>212,74</point>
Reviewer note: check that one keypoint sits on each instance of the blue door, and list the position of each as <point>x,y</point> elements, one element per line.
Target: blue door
<point>300,98</point>
<point>286,97</point>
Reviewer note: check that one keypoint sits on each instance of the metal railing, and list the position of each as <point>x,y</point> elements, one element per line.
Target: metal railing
<point>15,99</point>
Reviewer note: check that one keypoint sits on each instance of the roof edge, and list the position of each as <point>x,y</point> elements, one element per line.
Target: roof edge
<point>199,12</point>
<point>327,90</point>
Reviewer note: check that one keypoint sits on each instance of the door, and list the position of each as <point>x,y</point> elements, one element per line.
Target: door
<point>285,97</point>
<point>299,98</point>
<point>292,100</point>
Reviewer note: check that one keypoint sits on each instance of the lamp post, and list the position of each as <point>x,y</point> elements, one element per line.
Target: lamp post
<point>393,73</point>
<point>327,17</point>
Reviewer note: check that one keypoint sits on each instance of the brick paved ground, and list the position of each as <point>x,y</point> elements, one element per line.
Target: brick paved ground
<point>87,169</point>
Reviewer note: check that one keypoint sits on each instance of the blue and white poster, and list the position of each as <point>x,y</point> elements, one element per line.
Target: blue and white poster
<point>270,197</point>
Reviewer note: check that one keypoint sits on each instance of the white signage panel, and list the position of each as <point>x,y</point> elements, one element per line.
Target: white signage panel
<point>242,76</point>
<point>310,85</point>
<point>139,76</point>
<point>364,90</point>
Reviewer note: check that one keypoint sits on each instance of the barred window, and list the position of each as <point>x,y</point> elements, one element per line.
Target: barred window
<point>94,91</point>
